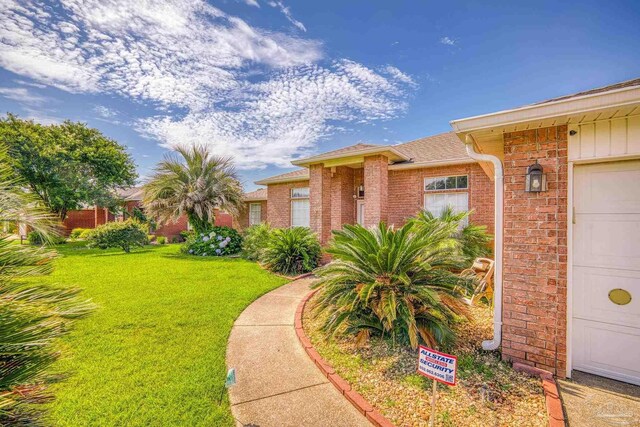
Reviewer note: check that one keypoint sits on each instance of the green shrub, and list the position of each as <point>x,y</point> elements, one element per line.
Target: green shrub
<point>292,251</point>
<point>125,235</point>
<point>161,240</point>
<point>76,232</point>
<point>85,234</point>
<point>469,241</point>
<point>219,241</point>
<point>36,238</point>
<point>393,282</point>
<point>255,240</point>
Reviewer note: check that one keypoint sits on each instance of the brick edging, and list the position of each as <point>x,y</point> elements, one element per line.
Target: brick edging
<point>359,402</point>
<point>551,394</point>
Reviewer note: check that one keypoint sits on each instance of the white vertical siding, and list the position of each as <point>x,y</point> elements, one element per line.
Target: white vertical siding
<point>605,138</point>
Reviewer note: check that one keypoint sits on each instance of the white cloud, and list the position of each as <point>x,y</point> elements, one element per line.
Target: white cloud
<point>448,41</point>
<point>262,96</point>
<point>22,95</point>
<point>399,75</point>
<point>253,3</point>
<point>286,11</point>
<point>25,83</point>
<point>105,112</point>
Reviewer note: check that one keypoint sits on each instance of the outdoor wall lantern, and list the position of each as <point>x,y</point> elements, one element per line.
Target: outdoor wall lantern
<point>536,179</point>
<point>361,190</point>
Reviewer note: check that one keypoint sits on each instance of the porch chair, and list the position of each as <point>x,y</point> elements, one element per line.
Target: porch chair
<point>482,270</point>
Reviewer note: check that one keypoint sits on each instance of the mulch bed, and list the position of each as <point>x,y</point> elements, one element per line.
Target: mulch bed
<point>489,392</point>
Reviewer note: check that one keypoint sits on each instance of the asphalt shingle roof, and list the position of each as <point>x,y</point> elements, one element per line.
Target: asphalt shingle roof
<point>259,194</point>
<point>621,85</point>
<point>437,148</point>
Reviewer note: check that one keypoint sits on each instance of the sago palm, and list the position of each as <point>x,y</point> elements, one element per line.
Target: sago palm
<point>392,282</point>
<point>31,316</point>
<point>470,241</point>
<point>291,251</point>
<point>195,185</point>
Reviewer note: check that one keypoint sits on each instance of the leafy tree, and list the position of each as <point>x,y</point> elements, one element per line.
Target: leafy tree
<point>124,235</point>
<point>195,186</point>
<point>66,165</point>
<point>32,316</point>
<point>392,282</point>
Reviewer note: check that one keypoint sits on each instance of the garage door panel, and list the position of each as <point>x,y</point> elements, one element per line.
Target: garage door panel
<point>592,301</point>
<point>608,188</point>
<point>606,256</point>
<point>607,240</point>
<point>607,350</point>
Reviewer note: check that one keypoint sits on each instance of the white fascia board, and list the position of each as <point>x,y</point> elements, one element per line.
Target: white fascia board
<point>617,98</point>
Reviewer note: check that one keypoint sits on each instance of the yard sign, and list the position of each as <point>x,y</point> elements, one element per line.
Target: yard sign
<point>437,365</point>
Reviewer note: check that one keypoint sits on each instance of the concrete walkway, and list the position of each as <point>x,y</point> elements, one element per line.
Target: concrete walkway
<point>277,383</point>
<point>594,401</point>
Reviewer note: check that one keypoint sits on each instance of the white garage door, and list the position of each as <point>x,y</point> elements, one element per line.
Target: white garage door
<point>606,270</point>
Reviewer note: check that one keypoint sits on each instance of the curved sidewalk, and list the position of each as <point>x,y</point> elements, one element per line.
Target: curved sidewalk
<point>277,383</point>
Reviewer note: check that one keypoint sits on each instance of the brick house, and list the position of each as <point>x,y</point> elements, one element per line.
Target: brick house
<point>569,274</point>
<point>132,198</point>
<point>367,183</point>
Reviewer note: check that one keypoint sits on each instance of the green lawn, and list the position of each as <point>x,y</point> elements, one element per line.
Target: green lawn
<point>153,353</point>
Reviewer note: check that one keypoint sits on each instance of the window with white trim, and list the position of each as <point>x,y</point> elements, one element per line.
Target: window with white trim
<point>438,197</point>
<point>440,183</point>
<point>300,207</point>
<point>255,213</point>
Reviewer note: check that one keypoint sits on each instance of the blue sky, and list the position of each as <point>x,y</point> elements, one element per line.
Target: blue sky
<point>268,81</point>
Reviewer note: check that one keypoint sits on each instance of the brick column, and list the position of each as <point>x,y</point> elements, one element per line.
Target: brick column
<point>535,251</point>
<point>320,201</point>
<point>342,202</point>
<point>376,177</point>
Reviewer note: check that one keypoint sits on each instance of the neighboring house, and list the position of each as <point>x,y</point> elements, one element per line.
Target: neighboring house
<point>570,271</point>
<point>132,198</point>
<point>255,210</point>
<point>367,183</point>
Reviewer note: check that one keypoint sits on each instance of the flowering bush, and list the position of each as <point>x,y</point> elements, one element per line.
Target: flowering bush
<point>217,242</point>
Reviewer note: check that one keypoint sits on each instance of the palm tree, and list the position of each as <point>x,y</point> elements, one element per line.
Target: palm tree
<point>195,185</point>
<point>32,316</point>
<point>392,282</point>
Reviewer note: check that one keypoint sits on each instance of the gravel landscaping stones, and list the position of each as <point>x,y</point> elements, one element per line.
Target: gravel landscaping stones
<point>489,392</point>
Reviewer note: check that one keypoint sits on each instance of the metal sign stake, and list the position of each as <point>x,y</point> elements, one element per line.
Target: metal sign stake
<point>432,417</point>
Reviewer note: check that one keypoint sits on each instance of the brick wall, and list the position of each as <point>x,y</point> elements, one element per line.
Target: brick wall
<point>406,190</point>
<point>171,229</point>
<point>342,201</point>
<point>320,201</point>
<point>279,205</point>
<point>243,219</point>
<point>376,179</point>
<point>83,218</point>
<point>535,251</point>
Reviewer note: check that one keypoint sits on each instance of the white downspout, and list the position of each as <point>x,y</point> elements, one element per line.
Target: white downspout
<point>498,221</point>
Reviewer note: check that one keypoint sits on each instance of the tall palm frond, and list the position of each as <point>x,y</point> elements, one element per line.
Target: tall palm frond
<point>195,185</point>
<point>32,317</point>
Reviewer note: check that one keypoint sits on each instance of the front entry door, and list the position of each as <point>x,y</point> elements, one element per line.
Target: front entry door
<point>360,212</point>
<point>606,270</point>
